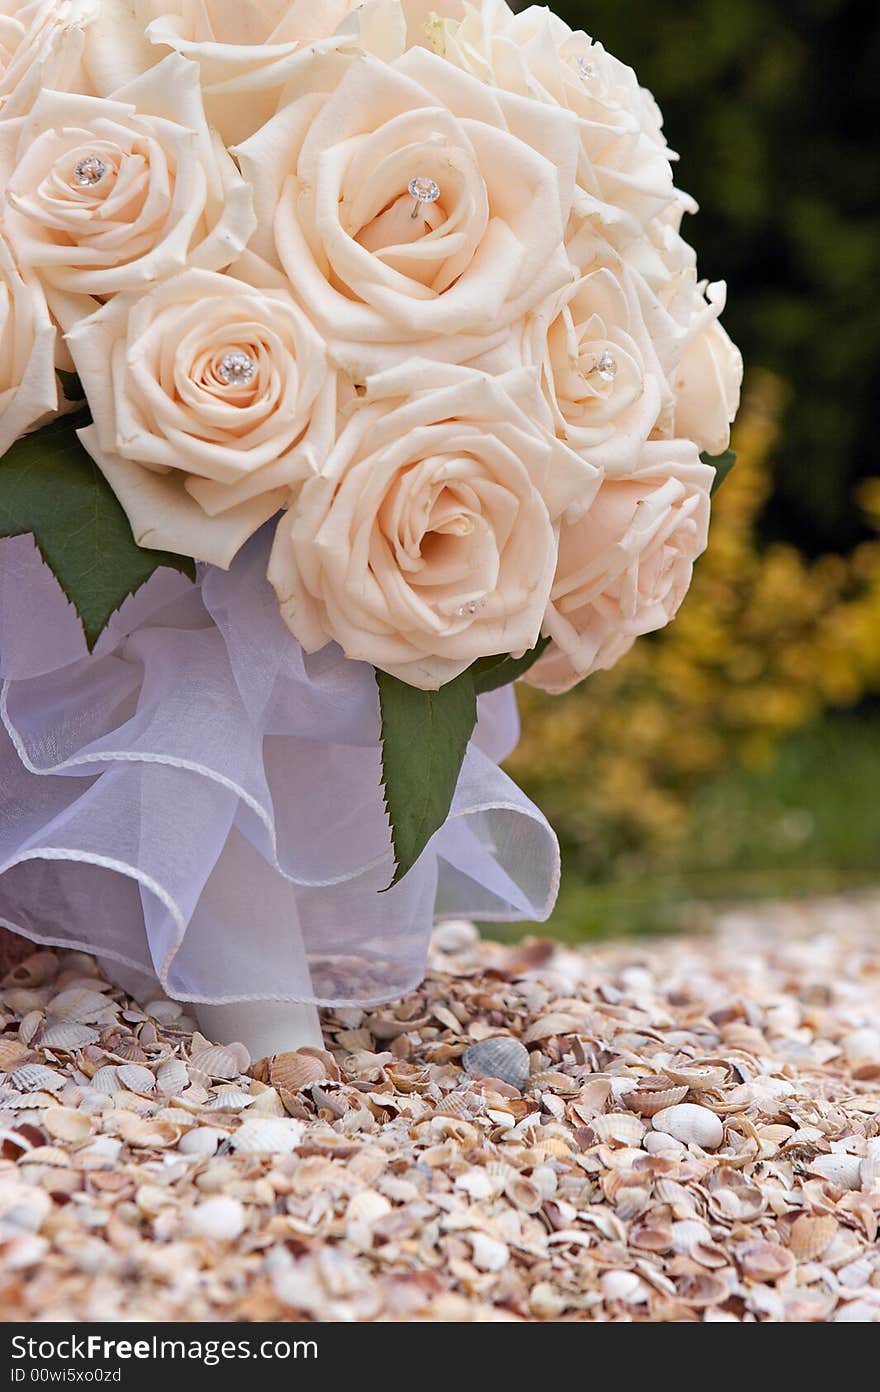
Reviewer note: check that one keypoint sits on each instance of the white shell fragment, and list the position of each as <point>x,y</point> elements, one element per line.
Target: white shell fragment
<point>690,1124</point>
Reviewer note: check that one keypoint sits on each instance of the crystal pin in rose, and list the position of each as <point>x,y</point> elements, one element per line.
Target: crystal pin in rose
<point>605,366</point>
<point>89,171</point>
<point>237,368</point>
<point>423,190</point>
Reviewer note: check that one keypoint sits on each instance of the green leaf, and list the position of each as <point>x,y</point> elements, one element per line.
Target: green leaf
<point>424,739</point>
<point>491,672</point>
<point>722,463</point>
<point>51,487</point>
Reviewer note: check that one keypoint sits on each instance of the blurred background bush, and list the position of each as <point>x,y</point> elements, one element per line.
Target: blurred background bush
<point>738,753</point>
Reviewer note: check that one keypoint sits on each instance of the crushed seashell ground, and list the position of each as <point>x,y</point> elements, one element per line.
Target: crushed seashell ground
<point>697,1138</point>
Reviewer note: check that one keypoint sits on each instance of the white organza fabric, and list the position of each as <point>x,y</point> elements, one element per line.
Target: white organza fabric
<point>178,799</point>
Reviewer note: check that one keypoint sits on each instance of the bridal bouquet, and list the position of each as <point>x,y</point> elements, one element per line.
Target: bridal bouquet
<point>388,300</point>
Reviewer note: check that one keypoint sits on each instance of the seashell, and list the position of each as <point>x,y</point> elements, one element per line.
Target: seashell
<point>128,1049</point>
<point>764,1261</point>
<point>695,1076</point>
<point>549,1025</point>
<point>658,1143</point>
<point>455,935</point>
<point>862,1045</point>
<point>30,1026</point>
<point>622,1127</point>
<point>106,1079</point>
<point>649,1101</point>
<point>690,1124</point>
<point>66,1124</point>
<point>809,1236</point>
<point>147,1132</point>
<point>231,1099</point>
<point>268,1102</point>
<point>67,1036</point>
<point>734,1196</point>
<point>220,1218</point>
<point>294,1071</point>
<point>35,970</point>
<point>32,1077</point>
<point>22,1000</point>
<point>702,1290</point>
<point>172,1077</point>
<point>12,1051</point>
<point>487,1253</point>
<point>843,1171</point>
<point>135,1078</point>
<point>81,1005</point>
<point>523,1193</point>
<point>367,1206</point>
<point>268,1136</point>
<point>502,1057</point>
<point>225,1061</point>
<point>625,1286</point>
<point>201,1140</point>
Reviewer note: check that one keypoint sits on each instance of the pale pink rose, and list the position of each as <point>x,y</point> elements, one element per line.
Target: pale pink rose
<point>28,390</point>
<point>624,175</point>
<point>245,49</point>
<point>110,194</point>
<point>376,269</point>
<point>625,565</point>
<point>210,397</point>
<point>599,370</point>
<point>428,538</point>
<point>707,385</point>
<point>41,45</point>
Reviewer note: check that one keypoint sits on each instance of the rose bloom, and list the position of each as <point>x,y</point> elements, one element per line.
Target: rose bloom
<point>210,397</point>
<point>376,268</point>
<point>599,370</point>
<point>428,538</point>
<point>28,390</point>
<point>625,565</point>
<point>708,378</point>
<point>624,175</point>
<point>109,194</point>
<point>41,45</point>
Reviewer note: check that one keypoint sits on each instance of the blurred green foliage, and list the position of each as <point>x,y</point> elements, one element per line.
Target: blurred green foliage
<point>775,108</point>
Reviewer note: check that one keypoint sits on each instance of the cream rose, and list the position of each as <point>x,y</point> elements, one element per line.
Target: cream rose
<point>210,397</point>
<point>379,267</point>
<point>110,194</point>
<point>428,539</point>
<point>244,49</point>
<point>624,173</point>
<point>28,389</point>
<point>598,367</point>
<point>625,565</point>
<point>708,379</point>
<point>41,45</point>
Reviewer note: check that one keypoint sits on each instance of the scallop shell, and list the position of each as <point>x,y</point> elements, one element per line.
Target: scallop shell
<point>230,1099</point>
<point>81,1005</point>
<point>268,1136</point>
<point>146,1132</point>
<point>649,1101</point>
<point>549,1025</point>
<point>106,1079</point>
<point>32,1077</point>
<point>67,1036</point>
<point>66,1124</point>
<point>810,1236</point>
<point>220,1218</point>
<point>502,1057</point>
<point>128,1048</point>
<point>172,1077</point>
<point>294,1071</point>
<point>31,1023</point>
<point>696,1075</point>
<point>622,1127</point>
<point>135,1078</point>
<point>523,1193</point>
<point>225,1061</point>
<point>764,1261</point>
<point>12,1051</point>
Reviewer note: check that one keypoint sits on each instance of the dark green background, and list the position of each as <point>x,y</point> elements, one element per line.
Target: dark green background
<point>774,107</point>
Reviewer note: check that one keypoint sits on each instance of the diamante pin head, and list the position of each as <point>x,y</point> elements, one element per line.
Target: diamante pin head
<point>606,366</point>
<point>89,171</point>
<point>585,69</point>
<point>472,607</point>
<point>237,369</point>
<point>423,190</point>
